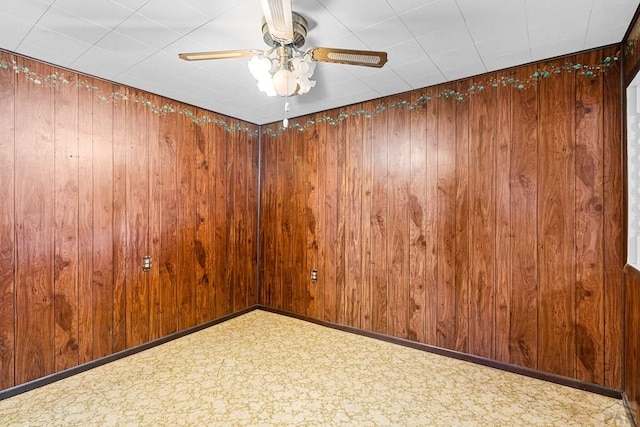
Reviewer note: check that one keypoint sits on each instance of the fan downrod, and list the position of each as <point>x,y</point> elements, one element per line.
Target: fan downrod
<point>300,28</point>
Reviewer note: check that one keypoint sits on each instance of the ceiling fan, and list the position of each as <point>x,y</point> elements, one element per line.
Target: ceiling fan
<point>289,73</point>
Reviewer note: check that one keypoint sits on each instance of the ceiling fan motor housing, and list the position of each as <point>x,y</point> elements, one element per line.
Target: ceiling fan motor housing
<point>300,28</point>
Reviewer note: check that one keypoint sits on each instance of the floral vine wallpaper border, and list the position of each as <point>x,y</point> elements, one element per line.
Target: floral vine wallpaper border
<point>477,86</point>
<point>630,50</point>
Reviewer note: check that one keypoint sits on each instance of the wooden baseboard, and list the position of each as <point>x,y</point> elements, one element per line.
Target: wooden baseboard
<point>557,379</point>
<point>630,412</point>
<point>22,388</point>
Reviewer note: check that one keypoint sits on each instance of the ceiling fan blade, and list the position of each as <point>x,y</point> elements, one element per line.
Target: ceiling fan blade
<point>365,58</point>
<point>279,17</point>
<point>220,54</point>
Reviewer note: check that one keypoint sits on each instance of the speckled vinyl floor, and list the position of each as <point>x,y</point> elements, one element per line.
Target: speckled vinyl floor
<point>263,369</point>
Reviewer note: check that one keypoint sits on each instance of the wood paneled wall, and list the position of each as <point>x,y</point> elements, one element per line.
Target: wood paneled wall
<point>631,53</point>
<point>491,226</point>
<point>88,188</point>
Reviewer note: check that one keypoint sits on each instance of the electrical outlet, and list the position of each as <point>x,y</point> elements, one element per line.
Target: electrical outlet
<point>146,263</point>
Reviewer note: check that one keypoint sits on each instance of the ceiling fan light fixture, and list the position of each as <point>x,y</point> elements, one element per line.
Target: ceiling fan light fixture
<point>284,70</point>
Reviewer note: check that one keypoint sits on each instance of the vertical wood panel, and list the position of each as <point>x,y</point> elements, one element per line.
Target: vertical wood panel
<point>7,226</point>
<point>287,224</point>
<point>243,170</point>
<point>398,236</point>
<point>431,219</point>
<point>241,273</point>
<point>366,223</point>
<point>235,230</point>
<point>446,214</point>
<point>85,224</point>
<point>417,223</point>
<point>321,226</point>
<point>102,201</point>
<point>222,297</point>
<point>214,250</point>
<point>251,217</point>
<point>352,295</point>
<point>482,118</point>
<point>503,224</point>
<point>379,225</point>
<point>342,316</point>
<point>119,225</point>
<point>589,226</point>
<point>462,260</point>
<point>524,191</point>
<point>556,218</point>
<point>330,141</point>
<point>292,251</point>
<point>202,245</point>
<point>186,175</point>
<point>34,207</point>
<point>155,223</point>
<point>268,206</point>
<point>296,224</point>
<point>311,216</point>
<point>281,167</point>
<point>614,219</point>
<point>66,165</point>
<point>168,201</point>
<point>137,214</point>
<point>265,241</point>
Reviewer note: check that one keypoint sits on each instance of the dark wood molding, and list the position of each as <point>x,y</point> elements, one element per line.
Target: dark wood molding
<point>31,385</point>
<point>630,269</point>
<point>627,407</point>
<point>532,373</point>
<point>632,342</point>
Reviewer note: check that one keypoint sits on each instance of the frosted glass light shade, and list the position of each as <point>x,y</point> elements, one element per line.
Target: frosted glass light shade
<point>284,82</point>
<point>266,86</point>
<point>294,79</point>
<point>305,85</point>
<point>259,67</point>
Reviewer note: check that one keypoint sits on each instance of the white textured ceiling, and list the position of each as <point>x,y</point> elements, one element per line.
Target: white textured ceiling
<point>136,42</point>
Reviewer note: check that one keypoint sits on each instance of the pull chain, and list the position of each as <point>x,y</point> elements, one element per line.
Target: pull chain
<point>285,121</point>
